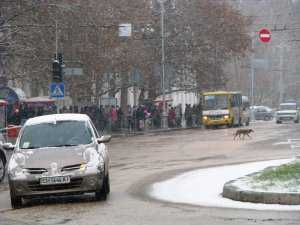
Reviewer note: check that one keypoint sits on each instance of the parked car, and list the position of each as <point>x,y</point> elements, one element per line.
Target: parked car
<point>3,161</point>
<point>262,113</point>
<point>58,154</point>
<point>287,112</point>
<point>3,158</point>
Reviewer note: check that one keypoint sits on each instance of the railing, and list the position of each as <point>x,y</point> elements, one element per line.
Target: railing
<point>128,125</point>
<point>9,133</point>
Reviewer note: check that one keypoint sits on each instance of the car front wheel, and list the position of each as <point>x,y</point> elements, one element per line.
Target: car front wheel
<point>104,191</point>
<point>16,201</point>
<point>2,168</point>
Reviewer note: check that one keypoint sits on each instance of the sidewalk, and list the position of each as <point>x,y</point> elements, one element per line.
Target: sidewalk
<point>127,133</point>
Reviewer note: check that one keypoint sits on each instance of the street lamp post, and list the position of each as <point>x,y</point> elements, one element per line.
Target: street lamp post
<point>164,113</point>
<point>252,69</point>
<point>252,79</point>
<point>281,85</point>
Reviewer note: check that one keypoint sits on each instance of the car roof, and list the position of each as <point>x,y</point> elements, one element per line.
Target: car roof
<point>57,117</point>
<point>289,103</point>
<point>260,106</point>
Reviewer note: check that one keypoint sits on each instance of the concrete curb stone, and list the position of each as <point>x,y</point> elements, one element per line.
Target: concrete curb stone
<point>232,191</point>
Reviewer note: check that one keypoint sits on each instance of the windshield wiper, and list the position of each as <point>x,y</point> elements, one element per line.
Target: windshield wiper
<point>32,147</point>
<point>63,145</point>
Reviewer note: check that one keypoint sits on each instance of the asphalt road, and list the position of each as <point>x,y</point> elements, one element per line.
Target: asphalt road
<point>137,162</point>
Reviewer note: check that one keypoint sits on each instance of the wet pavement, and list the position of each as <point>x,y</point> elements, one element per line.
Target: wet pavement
<point>137,162</point>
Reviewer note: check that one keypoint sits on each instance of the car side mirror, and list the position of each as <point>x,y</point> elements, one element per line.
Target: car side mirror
<point>8,146</point>
<point>104,139</point>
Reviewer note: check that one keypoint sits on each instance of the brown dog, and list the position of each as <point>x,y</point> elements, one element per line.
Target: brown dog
<point>243,132</point>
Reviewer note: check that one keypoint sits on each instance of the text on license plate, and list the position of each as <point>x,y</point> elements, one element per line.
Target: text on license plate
<point>55,180</point>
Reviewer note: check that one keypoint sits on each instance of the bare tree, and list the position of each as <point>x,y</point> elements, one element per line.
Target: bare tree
<point>201,36</point>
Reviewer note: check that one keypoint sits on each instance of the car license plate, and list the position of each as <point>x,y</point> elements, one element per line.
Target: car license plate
<point>55,180</point>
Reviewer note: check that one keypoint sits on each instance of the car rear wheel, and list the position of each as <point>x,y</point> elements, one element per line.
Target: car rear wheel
<point>2,168</point>
<point>16,201</point>
<point>296,121</point>
<point>104,191</point>
<point>277,121</point>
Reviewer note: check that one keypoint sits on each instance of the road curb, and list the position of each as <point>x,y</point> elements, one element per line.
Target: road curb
<point>234,192</point>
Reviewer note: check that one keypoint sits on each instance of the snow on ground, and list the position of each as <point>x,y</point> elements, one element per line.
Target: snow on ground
<point>204,187</point>
<point>282,143</point>
<point>249,184</point>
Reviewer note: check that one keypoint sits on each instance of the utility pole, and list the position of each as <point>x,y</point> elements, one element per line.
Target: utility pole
<point>164,113</point>
<point>281,87</point>
<point>56,38</point>
<point>216,75</point>
<point>252,71</point>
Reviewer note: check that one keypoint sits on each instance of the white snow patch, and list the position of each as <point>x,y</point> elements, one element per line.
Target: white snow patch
<point>204,187</point>
<point>264,186</point>
<point>56,117</point>
<point>281,143</point>
<point>29,152</point>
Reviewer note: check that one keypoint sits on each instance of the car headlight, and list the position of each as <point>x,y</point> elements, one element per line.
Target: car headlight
<point>16,164</point>
<point>93,160</point>
<point>205,117</point>
<point>226,117</point>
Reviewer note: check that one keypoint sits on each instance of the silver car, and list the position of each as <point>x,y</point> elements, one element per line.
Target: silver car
<point>287,112</point>
<point>262,113</point>
<point>58,154</point>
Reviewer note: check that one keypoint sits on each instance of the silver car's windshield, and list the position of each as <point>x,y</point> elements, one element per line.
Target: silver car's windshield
<point>60,133</point>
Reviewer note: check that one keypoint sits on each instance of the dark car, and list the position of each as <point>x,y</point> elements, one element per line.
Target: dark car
<point>3,162</point>
<point>58,154</point>
<point>3,158</point>
<point>262,113</point>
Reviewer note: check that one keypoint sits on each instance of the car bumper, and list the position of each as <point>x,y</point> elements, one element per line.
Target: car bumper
<point>78,184</point>
<point>216,122</point>
<point>286,118</point>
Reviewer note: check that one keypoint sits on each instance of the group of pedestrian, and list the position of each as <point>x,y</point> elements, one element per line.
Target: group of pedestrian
<point>175,116</point>
<point>132,118</point>
<point>193,115</point>
<point>137,118</point>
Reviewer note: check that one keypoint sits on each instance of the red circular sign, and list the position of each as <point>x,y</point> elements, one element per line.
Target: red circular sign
<point>265,35</point>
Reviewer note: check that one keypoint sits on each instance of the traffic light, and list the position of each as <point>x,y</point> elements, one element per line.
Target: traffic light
<point>57,71</point>
<point>60,59</point>
<point>57,68</point>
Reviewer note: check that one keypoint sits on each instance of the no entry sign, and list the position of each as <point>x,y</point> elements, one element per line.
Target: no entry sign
<point>265,35</point>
